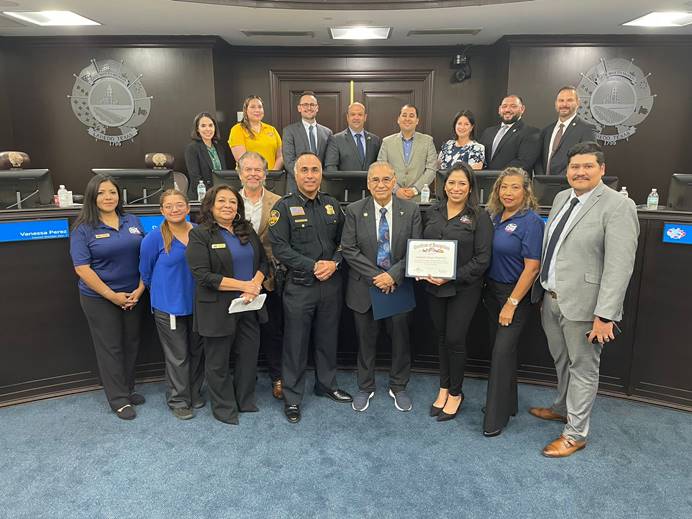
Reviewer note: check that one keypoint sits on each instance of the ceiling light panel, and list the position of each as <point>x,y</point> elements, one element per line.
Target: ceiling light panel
<point>51,18</point>
<point>662,19</point>
<point>360,32</point>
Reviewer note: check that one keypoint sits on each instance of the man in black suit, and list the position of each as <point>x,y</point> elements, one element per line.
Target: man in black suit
<point>304,136</point>
<point>377,259</point>
<point>511,143</point>
<point>354,149</point>
<point>558,137</point>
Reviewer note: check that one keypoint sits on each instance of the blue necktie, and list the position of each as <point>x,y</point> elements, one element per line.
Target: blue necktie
<point>361,149</point>
<point>313,144</point>
<point>554,238</point>
<point>384,260</point>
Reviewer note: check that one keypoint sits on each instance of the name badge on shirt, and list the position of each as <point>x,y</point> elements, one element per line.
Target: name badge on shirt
<point>218,245</point>
<point>296,210</point>
<point>330,209</point>
<point>104,235</point>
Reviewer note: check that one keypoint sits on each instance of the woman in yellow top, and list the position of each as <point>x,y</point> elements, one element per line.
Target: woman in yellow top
<point>251,134</point>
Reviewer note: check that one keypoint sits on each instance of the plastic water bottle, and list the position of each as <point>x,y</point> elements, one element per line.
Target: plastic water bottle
<point>623,192</point>
<point>63,197</point>
<point>425,194</point>
<point>201,190</point>
<point>652,200</point>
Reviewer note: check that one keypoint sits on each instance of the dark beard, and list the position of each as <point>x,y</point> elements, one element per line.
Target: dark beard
<point>511,121</point>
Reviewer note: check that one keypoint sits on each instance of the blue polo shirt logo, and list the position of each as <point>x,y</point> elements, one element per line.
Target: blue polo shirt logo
<point>511,227</point>
<point>134,230</point>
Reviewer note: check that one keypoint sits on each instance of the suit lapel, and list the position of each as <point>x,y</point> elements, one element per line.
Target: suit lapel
<point>396,239</point>
<point>351,143</point>
<point>554,211</point>
<point>266,207</point>
<point>223,253</point>
<point>592,201</point>
<point>205,155</point>
<point>567,133</point>
<point>507,136</point>
<point>304,135</point>
<point>368,215</point>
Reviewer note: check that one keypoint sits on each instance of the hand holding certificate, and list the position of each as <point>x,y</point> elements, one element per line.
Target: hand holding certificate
<point>431,258</point>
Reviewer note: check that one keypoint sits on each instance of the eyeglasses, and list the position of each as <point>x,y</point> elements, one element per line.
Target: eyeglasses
<point>308,105</point>
<point>179,205</point>
<point>375,180</point>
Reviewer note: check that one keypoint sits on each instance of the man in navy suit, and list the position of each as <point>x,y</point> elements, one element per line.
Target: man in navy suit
<point>558,137</point>
<point>304,136</point>
<point>354,149</point>
<point>511,143</point>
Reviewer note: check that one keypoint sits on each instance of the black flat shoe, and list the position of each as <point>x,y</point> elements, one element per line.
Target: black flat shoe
<point>435,411</point>
<point>136,399</point>
<point>492,434</point>
<point>126,412</point>
<point>292,413</point>
<point>337,395</point>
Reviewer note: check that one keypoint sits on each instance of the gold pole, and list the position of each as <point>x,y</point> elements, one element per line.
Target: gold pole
<point>351,92</point>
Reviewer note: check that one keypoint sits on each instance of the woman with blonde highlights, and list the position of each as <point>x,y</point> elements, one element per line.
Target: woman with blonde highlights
<point>515,263</point>
<point>165,272</point>
<point>251,134</point>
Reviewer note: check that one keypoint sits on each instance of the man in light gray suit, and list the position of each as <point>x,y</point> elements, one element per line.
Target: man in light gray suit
<point>373,242</point>
<point>354,149</point>
<point>412,155</point>
<point>588,255</point>
<point>305,135</point>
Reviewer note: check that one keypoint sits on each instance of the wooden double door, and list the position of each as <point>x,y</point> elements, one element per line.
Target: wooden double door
<point>383,93</point>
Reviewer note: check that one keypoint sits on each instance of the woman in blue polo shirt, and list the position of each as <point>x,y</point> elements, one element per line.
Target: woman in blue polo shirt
<point>171,287</point>
<point>104,246</point>
<point>515,263</point>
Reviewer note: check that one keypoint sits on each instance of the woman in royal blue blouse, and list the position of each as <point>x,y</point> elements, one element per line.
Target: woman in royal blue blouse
<point>514,266</point>
<point>171,287</point>
<point>104,246</point>
<point>228,262</point>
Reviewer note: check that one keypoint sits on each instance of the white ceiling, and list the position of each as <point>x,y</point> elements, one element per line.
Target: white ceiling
<point>167,17</point>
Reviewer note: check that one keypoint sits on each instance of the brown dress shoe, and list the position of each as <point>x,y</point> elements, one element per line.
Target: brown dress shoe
<point>545,413</point>
<point>563,447</point>
<point>278,389</point>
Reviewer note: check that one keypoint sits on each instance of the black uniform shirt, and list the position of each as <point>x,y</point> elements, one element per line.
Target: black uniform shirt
<point>303,231</point>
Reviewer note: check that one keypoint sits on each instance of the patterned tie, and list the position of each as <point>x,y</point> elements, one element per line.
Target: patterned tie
<point>556,143</point>
<point>313,144</point>
<point>361,149</point>
<point>554,238</point>
<point>384,259</point>
<point>496,141</point>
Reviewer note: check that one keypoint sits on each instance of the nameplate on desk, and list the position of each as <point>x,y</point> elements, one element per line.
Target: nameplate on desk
<point>677,233</point>
<point>151,222</point>
<point>29,230</point>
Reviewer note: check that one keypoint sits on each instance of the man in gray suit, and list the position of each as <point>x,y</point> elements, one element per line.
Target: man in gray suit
<point>354,149</point>
<point>588,255</point>
<point>305,135</point>
<point>411,154</point>
<point>558,138</point>
<point>374,241</point>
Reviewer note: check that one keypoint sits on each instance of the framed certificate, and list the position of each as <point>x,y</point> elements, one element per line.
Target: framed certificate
<point>435,258</point>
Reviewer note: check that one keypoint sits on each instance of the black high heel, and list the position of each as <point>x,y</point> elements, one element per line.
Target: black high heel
<point>435,411</point>
<point>443,417</point>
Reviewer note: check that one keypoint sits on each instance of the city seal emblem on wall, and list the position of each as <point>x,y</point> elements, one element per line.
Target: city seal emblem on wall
<point>615,97</point>
<point>110,99</point>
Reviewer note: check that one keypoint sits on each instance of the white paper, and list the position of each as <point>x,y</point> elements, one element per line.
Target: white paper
<point>238,304</point>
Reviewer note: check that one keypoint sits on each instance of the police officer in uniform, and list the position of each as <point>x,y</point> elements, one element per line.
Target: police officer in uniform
<point>305,232</point>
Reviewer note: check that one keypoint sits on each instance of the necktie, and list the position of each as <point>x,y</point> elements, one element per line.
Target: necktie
<point>361,149</point>
<point>556,143</point>
<point>496,141</point>
<point>384,260</point>
<point>554,238</point>
<point>313,143</point>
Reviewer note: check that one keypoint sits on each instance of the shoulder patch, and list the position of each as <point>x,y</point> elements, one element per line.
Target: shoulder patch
<point>274,216</point>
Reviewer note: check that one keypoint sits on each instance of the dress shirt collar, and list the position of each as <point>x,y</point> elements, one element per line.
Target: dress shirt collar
<point>567,122</point>
<point>388,207</point>
<point>307,125</point>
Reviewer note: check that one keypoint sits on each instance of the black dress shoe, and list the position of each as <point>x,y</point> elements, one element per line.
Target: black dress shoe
<point>136,399</point>
<point>435,411</point>
<point>492,434</point>
<point>337,395</point>
<point>292,412</point>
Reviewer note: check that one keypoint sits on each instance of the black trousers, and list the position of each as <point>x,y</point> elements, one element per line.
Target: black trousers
<point>501,399</point>
<point>310,311</point>
<point>368,330</point>
<point>116,335</point>
<point>451,317</point>
<point>183,352</point>
<point>272,335</point>
<point>230,394</point>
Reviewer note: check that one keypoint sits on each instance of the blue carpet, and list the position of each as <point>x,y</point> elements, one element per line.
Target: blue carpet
<point>72,458</point>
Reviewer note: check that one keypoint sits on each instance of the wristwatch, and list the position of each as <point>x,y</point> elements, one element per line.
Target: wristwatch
<point>512,301</point>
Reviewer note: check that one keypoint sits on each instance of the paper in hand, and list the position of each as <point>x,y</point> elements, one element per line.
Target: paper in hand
<point>239,305</point>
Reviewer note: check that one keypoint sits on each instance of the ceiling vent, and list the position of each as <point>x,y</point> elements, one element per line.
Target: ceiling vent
<point>279,34</point>
<point>443,32</point>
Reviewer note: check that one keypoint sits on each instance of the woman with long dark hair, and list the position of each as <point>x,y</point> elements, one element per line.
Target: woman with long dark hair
<point>252,134</point>
<point>515,263</point>
<point>104,246</point>
<point>452,302</point>
<point>228,262</point>
<point>462,147</point>
<point>171,287</point>
<point>205,153</point>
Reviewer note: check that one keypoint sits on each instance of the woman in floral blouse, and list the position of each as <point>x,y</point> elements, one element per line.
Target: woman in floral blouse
<point>463,148</point>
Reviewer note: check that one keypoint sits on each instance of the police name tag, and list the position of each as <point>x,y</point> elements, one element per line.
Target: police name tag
<point>218,245</point>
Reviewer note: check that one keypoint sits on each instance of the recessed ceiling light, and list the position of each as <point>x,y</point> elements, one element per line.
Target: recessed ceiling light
<point>359,33</point>
<point>662,19</point>
<point>50,18</point>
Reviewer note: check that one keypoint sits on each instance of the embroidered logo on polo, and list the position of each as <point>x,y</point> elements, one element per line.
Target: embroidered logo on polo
<point>511,227</point>
<point>111,100</point>
<point>465,219</point>
<point>134,230</point>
